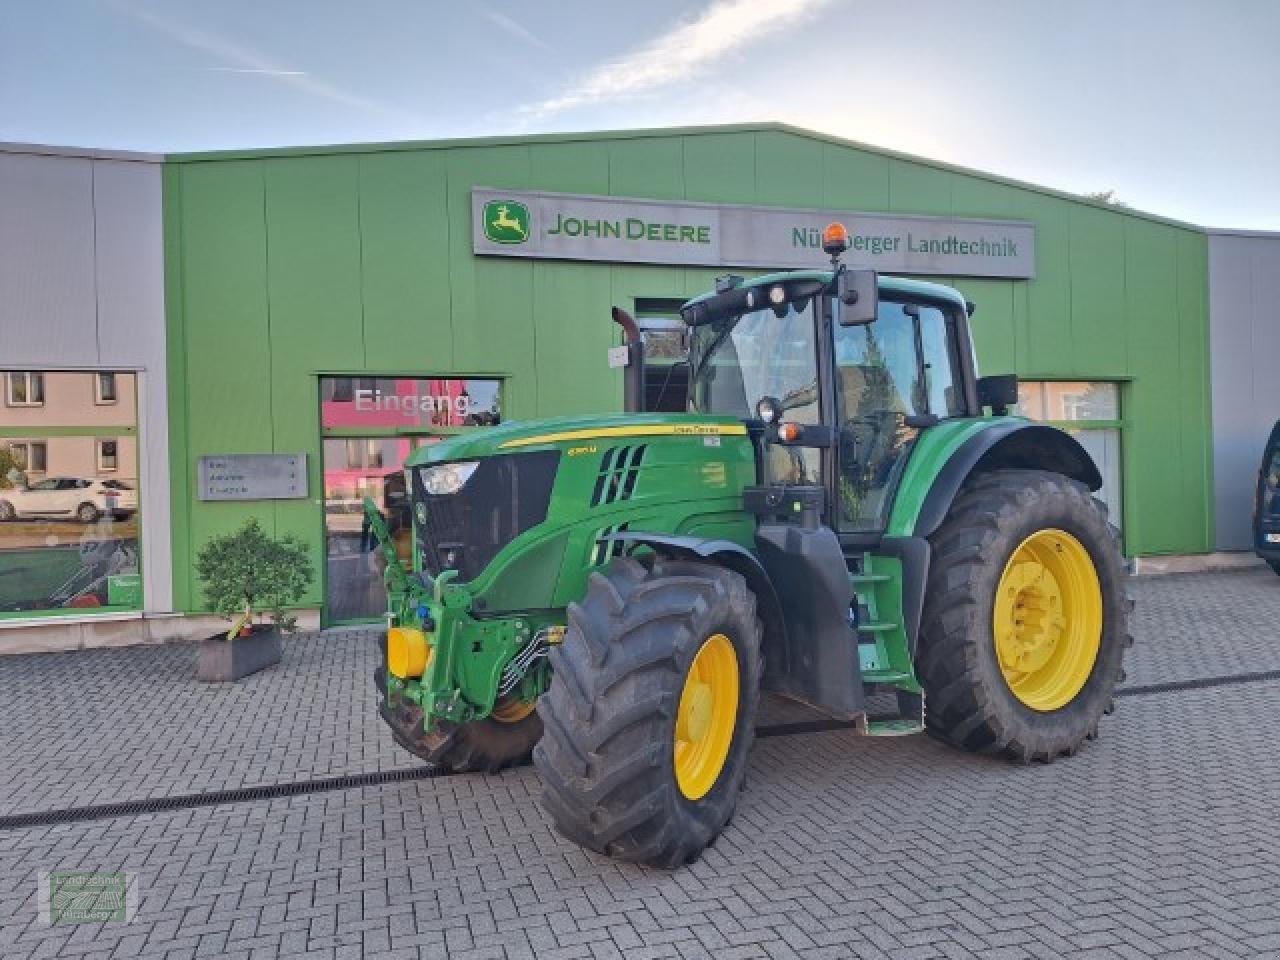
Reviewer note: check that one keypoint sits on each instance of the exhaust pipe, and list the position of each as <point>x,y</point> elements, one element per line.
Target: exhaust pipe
<point>633,372</point>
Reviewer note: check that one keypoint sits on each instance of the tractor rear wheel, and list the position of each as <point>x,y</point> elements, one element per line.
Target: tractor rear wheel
<point>503,739</point>
<point>651,711</point>
<point>1025,618</point>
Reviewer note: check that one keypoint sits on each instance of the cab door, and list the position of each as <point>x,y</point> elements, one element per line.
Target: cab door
<point>894,377</point>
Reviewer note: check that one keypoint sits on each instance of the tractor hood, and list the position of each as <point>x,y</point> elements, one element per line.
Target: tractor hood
<point>521,435</point>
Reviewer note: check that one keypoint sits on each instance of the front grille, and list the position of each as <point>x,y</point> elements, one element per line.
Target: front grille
<point>463,531</point>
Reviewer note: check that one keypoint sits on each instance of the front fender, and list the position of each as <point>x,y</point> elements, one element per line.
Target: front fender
<point>742,561</point>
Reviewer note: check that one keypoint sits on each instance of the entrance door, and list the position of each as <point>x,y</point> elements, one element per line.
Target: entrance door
<point>370,427</point>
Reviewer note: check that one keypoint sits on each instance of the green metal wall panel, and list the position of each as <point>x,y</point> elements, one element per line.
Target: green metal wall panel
<point>1044,334</point>
<point>569,354</point>
<point>1099,338</point>
<point>789,170</point>
<point>177,385</point>
<point>1195,411</point>
<point>288,265</point>
<point>720,168</point>
<point>404,262</point>
<point>1154,442</point>
<point>651,167</point>
<point>569,167</point>
<point>491,302</point>
<point>917,189</point>
<point>227,375</point>
<point>315,310</point>
<point>995,325</point>
<point>854,179</point>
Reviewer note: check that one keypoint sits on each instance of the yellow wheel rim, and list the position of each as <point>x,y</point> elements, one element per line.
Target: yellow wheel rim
<point>513,711</point>
<point>1048,619</point>
<point>706,717</point>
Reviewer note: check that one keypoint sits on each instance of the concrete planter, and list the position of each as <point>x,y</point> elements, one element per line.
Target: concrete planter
<point>219,660</point>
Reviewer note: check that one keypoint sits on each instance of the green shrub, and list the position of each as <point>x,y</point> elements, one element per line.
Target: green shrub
<point>249,574</point>
<point>10,472</point>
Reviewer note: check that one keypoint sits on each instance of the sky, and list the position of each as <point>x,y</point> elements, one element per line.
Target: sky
<point>1172,104</point>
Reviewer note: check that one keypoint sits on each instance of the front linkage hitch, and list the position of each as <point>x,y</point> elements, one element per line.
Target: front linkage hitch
<point>465,665</point>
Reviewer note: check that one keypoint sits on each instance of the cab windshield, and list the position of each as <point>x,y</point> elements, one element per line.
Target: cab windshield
<point>736,361</point>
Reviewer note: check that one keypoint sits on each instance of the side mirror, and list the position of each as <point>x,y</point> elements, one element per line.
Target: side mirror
<point>859,294</point>
<point>999,392</point>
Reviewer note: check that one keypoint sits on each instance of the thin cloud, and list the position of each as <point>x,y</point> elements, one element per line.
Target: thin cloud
<point>247,60</point>
<point>519,30</point>
<point>689,50</point>
<point>255,70</point>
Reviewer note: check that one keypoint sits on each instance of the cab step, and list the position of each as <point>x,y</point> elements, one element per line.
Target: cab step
<point>910,718</point>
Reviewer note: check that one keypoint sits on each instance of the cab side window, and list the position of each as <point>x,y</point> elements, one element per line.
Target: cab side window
<point>938,353</point>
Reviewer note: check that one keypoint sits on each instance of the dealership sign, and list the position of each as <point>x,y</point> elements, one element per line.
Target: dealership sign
<point>566,226</point>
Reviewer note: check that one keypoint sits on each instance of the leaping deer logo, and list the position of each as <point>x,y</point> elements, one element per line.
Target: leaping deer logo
<point>503,222</point>
<point>506,221</point>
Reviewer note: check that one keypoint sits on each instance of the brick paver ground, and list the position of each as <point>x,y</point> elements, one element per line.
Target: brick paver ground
<point>1161,839</point>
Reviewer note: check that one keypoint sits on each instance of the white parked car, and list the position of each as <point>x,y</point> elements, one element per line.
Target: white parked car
<point>70,497</point>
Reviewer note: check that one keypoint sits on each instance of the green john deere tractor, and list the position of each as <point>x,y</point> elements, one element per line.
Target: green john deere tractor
<point>834,519</point>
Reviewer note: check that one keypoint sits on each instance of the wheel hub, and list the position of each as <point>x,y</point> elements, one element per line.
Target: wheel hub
<point>1048,619</point>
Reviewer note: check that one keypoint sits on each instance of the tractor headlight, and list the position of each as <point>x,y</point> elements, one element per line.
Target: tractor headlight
<point>448,477</point>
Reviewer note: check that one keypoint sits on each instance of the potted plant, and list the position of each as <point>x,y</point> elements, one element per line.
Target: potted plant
<point>251,579</point>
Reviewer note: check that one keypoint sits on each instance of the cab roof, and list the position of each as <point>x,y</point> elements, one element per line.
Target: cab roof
<point>889,286</point>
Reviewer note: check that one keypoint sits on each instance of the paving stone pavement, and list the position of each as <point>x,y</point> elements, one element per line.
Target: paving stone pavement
<point>1158,840</point>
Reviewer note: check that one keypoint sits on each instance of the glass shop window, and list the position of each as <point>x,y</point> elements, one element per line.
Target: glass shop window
<point>1090,411</point>
<point>69,508</point>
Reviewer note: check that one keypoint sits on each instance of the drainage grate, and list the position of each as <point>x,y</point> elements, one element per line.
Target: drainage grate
<point>189,801</point>
<point>1199,684</point>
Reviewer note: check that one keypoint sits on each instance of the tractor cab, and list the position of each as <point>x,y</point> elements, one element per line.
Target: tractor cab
<point>835,394</point>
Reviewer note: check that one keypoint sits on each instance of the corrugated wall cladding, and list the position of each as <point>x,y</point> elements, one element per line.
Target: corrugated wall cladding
<point>359,261</point>
<point>1244,275</point>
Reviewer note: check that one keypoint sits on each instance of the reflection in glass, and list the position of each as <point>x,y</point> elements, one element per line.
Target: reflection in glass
<point>355,468</point>
<point>737,362</point>
<point>880,383</point>
<point>1061,400</point>
<point>68,495</point>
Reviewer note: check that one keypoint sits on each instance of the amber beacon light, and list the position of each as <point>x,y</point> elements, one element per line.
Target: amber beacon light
<point>835,239</point>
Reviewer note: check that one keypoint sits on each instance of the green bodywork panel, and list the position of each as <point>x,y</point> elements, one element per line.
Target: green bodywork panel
<point>687,481</point>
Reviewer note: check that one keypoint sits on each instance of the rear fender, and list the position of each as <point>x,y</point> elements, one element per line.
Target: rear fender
<point>945,459</point>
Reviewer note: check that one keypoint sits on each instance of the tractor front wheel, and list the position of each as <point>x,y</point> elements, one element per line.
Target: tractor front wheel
<point>650,715</point>
<point>505,738</point>
<point>1025,619</point>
